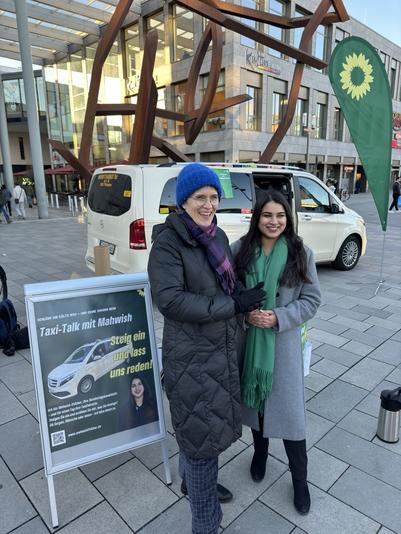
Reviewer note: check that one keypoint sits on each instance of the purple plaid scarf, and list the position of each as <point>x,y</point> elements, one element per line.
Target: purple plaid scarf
<point>215,253</point>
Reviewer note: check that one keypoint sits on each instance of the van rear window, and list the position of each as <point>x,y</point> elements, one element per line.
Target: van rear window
<point>110,193</point>
<point>241,199</point>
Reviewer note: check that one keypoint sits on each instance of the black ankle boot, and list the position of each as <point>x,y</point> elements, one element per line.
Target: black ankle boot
<point>258,464</point>
<point>301,496</point>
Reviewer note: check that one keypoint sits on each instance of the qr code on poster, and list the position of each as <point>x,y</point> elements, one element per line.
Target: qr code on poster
<point>58,438</point>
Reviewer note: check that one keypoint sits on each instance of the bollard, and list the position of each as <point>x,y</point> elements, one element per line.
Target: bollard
<point>101,254</point>
<point>56,198</point>
<point>388,425</point>
<point>75,203</point>
<point>52,200</point>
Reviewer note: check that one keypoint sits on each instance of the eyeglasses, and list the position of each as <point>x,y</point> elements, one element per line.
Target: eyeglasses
<point>203,199</point>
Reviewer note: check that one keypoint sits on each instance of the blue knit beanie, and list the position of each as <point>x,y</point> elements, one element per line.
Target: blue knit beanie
<point>193,177</point>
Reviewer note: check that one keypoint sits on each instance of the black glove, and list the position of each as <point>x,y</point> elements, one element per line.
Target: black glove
<point>249,299</point>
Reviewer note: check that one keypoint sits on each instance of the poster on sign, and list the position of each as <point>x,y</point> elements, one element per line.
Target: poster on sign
<point>96,371</point>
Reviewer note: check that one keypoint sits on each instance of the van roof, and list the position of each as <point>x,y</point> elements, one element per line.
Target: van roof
<point>208,164</point>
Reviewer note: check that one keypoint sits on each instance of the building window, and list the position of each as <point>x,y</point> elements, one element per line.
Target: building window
<point>178,96</point>
<point>161,124</point>
<point>156,22</point>
<point>320,43</point>
<point>253,109</point>
<point>12,99</point>
<point>297,32</point>
<point>340,35</point>
<point>21,147</point>
<point>321,120</point>
<point>132,50</point>
<point>216,120</point>
<point>277,7</point>
<point>279,102</point>
<point>183,35</point>
<point>300,120</point>
<point>252,4</point>
<point>385,58</point>
<point>338,125</point>
<point>393,77</point>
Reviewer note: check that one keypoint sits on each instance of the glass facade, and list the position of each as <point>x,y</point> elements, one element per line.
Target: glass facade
<point>253,109</point>
<point>183,34</point>
<point>338,125</point>
<point>216,120</point>
<point>299,122</point>
<point>156,22</point>
<point>277,7</point>
<point>321,120</point>
<point>178,91</point>
<point>279,102</point>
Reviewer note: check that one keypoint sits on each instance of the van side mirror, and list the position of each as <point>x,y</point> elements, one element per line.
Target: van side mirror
<point>335,208</point>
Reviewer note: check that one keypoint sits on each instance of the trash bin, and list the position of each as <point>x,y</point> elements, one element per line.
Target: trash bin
<point>388,425</point>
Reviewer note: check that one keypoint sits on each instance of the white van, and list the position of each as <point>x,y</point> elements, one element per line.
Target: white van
<point>126,201</point>
<point>85,365</point>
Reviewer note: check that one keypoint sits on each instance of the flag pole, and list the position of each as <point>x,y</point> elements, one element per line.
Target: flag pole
<point>381,281</point>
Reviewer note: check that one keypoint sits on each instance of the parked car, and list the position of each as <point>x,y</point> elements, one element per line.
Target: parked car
<point>84,366</point>
<point>126,201</point>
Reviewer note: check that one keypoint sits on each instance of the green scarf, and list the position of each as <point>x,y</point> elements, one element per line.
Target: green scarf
<point>257,376</point>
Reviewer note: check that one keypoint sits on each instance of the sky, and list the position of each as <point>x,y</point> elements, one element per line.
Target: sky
<point>382,16</point>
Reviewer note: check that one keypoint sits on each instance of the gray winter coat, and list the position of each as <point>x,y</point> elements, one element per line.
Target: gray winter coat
<point>199,342</point>
<point>284,413</point>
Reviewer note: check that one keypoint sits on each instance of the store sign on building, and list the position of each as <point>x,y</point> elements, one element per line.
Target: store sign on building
<point>396,141</point>
<point>257,61</point>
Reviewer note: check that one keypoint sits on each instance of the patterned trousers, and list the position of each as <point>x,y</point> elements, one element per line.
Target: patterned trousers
<point>201,480</point>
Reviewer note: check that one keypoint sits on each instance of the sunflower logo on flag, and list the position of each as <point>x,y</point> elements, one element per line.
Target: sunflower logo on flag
<point>356,78</point>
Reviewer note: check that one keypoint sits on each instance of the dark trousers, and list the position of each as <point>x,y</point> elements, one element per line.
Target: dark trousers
<point>296,453</point>
<point>394,203</point>
<point>201,480</point>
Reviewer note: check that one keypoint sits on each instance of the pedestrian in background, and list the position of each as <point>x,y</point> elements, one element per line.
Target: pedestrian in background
<point>396,195</point>
<point>8,197</point>
<point>3,203</point>
<point>19,197</point>
<point>194,286</point>
<point>272,381</point>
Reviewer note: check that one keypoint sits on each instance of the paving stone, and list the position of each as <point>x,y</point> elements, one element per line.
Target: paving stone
<point>323,469</point>
<point>350,323</point>
<point>370,405</point>
<point>393,447</point>
<point>75,495</point>
<point>309,394</point>
<point>395,376</point>
<point>387,324</point>
<point>9,360</point>
<point>316,428</point>
<point>327,515</point>
<point>369,337</point>
<point>96,470</point>
<point>34,526</point>
<point>336,400</point>
<point>352,314</point>
<point>325,315</point>
<point>10,408</point>
<point>359,423</point>
<point>177,518</point>
<point>18,377</point>
<point>367,373</point>
<point>388,352</point>
<point>20,446</point>
<point>327,326</point>
<point>316,381</point>
<point>385,530</point>
<point>15,508</point>
<point>378,500</point>
<point>136,508</point>
<point>176,479</point>
<point>100,520</point>
<point>364,455</point>
<point>236,475</point>
<point>347,358</point>
<point>329,368</point>
<point>151,455</point>
<point>358,348</point>
<point>257,519</point>
<point>326,337</point>
<point>233,450</point>
<point>397,335</point>
<point>368,310</point>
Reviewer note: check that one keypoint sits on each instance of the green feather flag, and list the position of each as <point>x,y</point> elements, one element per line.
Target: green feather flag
<point>360,83</point>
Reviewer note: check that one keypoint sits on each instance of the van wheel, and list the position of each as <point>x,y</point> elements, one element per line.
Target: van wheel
<point>85,385</point>
<point>348,255</point>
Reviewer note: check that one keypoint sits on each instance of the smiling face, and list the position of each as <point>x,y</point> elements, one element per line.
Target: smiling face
<point>272,223</point>
<point>137,389</point>
<point>201,206</point>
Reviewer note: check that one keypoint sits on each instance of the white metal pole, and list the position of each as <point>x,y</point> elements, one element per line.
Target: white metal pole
<point>52,500</point>
<point>166,461</point>
<point>5,143</point>
<point>381,281</point>
<point>32,108</point>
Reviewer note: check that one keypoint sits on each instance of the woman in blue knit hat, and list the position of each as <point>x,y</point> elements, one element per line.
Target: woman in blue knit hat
<point>194,286</point>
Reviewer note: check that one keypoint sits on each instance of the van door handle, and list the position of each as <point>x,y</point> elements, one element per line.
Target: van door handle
<point>246,218</point>
<point>306,218</point>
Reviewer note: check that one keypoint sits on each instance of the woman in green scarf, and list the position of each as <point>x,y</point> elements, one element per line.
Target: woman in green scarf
<point>272,381</point>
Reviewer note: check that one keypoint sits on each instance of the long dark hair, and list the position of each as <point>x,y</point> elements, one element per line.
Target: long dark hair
<point>295,270</point>
<point>147,396</point>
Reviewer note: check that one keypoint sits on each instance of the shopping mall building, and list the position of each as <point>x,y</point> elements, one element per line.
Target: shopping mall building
<point>239,133</point>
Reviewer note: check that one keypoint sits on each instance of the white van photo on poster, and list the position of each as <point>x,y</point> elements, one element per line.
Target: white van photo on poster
<point>95,365</point>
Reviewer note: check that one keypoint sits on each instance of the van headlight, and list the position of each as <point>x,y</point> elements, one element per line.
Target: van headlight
<point>66,379</point>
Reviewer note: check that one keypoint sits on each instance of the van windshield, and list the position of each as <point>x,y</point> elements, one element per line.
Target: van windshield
<point>110,193</point>
<point>79,354</point>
